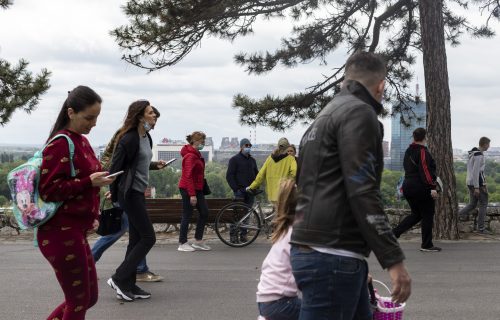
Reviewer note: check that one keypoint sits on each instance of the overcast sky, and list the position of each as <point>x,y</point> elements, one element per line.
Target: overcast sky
<point>71,39</point>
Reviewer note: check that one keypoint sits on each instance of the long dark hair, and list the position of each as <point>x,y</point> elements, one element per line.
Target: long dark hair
<point>79,99</point>
<point>287,200</point>
<point>132,118</point>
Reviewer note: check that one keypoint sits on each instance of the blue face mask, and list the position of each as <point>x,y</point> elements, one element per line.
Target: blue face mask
<point>246,151</point>
<point>147,126</point>
<point>200,147</point>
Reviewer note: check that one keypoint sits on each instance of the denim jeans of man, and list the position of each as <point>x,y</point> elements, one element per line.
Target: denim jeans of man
<point>247,199</point>
<point>333,287</point>
<point>482,200</point>
<point>287,308</point>
<point>104,242</point>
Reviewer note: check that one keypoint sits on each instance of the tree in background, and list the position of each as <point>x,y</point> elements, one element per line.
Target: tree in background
<point>19,89</point>
<point>161,33</point>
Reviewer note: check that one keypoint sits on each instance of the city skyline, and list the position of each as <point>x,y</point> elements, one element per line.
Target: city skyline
<point>197,93</point>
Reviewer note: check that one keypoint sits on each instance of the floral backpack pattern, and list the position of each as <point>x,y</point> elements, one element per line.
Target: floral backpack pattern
<point>29,209</point>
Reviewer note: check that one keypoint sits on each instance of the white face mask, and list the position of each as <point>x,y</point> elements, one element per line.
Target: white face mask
<point>147,126</point>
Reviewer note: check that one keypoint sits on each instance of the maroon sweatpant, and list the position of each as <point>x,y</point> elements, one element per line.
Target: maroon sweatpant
<point>67,250</point>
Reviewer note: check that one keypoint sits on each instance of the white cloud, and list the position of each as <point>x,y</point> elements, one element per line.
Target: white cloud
<point>71,39</point>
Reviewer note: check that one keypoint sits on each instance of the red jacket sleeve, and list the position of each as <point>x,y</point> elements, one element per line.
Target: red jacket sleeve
<point>424,171</point>
<point>187,171</point>
<point>56,183</point>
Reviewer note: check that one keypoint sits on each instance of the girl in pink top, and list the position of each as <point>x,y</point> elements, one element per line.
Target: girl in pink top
<point>277,292</point>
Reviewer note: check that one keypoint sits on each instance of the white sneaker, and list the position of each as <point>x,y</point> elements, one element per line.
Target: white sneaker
<point>200,245</point>
<point>185,247</point>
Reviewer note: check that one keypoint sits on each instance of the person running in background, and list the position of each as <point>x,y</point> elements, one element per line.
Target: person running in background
<point>104,242</point>
<point>63,239</point>
<point>277,297</point>
<point>419,189</point>
<point>476,183</point>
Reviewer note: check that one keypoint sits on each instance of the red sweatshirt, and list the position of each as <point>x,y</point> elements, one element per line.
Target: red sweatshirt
<point>193,170</point>
<point>80,200</point>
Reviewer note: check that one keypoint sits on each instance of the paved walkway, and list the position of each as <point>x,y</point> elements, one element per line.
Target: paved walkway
<point>462,282</point>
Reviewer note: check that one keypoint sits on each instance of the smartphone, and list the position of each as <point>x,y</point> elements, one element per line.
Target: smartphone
<point>114,174</point>
<point>170,161</point>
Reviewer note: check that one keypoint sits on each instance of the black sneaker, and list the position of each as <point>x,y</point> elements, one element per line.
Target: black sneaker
<point>243,239</point>
<point>431,249</point>
<point>234,239</point>
<point>120,294</point>
<point>139,293</point>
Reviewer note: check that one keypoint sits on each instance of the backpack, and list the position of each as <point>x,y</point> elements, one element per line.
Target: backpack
<point>30,211</point>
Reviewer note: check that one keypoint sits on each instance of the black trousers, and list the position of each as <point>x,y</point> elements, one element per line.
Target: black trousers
<point>187,212</point>
<point>141,238</point>
<point>422,209</point>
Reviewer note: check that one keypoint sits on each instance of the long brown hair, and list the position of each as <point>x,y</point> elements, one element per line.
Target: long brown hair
<point>132,118</point>
<point>287,200</point>
<point>79,99</point>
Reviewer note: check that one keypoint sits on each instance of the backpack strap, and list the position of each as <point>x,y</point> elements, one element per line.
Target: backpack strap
<point>71,150</point>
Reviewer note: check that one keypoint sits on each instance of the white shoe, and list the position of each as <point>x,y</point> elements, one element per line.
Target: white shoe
<point>185,247</point>
<point>200,245</point>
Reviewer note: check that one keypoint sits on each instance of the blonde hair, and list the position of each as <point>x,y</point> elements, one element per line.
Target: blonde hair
<point>197,135</point>
<point>287,200</point>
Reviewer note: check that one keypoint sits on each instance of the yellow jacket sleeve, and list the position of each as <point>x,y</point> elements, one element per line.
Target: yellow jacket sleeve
<point>293,168</point>
<point>261,176</point>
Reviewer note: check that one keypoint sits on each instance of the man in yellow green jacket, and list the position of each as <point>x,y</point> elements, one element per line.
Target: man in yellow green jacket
<point>279,165</point>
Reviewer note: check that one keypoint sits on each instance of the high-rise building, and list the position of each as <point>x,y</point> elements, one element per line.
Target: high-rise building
<point>402,134</point>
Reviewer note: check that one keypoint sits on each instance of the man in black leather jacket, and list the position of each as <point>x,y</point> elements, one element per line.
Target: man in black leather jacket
<point>339,215</point>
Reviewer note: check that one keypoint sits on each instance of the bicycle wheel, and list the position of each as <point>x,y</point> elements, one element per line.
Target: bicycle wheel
<point>237,225</point>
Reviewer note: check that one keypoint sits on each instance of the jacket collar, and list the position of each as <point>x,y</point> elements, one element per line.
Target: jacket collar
<point>359,91</point>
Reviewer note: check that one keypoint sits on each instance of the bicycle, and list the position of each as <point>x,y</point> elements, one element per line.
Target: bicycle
<point>238,224</point>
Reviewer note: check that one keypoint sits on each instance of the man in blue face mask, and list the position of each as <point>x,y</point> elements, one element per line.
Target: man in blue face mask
<point>241,172</point>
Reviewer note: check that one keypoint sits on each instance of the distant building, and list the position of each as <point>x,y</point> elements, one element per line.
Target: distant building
<point>402,135</point>
<point>385,147</point>
<point>169,149</point>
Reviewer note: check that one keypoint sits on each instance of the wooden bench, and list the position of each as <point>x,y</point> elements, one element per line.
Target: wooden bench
<point>169,211</point>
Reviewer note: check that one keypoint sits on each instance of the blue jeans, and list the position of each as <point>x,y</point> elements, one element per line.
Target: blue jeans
<point>283,309</point>
<point>473,202</point>
<point>333,287</point>
<point>104,242</point>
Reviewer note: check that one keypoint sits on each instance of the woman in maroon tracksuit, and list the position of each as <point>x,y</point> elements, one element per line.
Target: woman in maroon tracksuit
<point>63,239</point>
<point>191,189</point>
<point>419,189</point>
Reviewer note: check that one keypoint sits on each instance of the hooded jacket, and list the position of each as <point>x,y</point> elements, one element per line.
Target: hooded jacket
<point>420,170</point>
<point>193,170</point>
<point>276,168</point>
<point>475,169</point>
<point>341,161</point>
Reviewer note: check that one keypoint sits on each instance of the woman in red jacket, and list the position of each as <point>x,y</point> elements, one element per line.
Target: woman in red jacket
<point>63,239</point>
<point>191,188</point>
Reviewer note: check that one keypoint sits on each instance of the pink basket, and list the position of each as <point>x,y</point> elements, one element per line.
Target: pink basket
<point>386,309</point>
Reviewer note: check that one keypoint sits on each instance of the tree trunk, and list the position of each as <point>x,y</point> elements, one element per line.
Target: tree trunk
<point>437,93</point>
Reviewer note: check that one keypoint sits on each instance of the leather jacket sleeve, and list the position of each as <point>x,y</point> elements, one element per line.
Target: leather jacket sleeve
<point>359,141</point>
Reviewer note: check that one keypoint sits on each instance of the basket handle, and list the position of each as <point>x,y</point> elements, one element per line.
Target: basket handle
<point>383,285</point>
<point>388,309</point>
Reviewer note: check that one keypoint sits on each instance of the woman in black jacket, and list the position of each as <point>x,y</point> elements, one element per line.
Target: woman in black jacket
<point>419,189</point>
<point>133,154</point>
